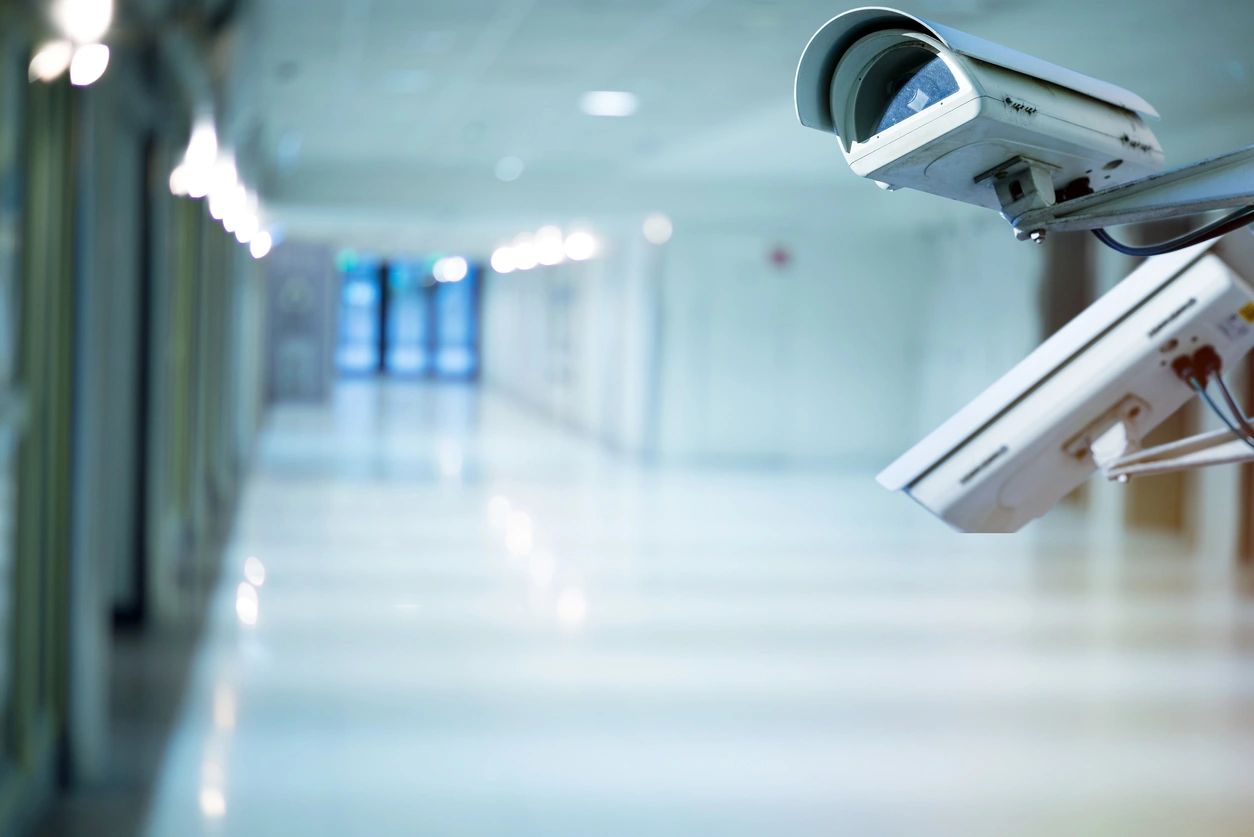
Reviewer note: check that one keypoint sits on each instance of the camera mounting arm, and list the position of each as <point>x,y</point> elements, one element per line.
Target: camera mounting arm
<point>1223,182</point>
<point>1219,447</point>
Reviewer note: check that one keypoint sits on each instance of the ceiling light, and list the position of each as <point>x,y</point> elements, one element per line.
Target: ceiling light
<point>524,253</point>
<point>259,247</point>
<point>50,61</point>
<point>88,64</point>
<point>223,177</point>
<point>246,228</point>
<point>608,103</point>
<point>178,180</point>
<point>197,182</point>
<point>199,158</point>
<point>83,21</point>
<point>580,246</point>
<point>503,259</point>
<point>549,249</point>
<point>509,169</point>
<point>657,228</point>
<point>450,269</point>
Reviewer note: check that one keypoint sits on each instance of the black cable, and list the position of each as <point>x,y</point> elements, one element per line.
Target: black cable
<point>1232,221</point>
<point>1210,402</point>
<point>1237,412</point>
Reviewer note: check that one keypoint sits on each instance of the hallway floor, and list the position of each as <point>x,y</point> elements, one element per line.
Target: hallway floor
<point>443,615</point>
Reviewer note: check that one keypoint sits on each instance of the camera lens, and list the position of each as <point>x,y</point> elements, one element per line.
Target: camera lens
<point>917,91</point>
<point>901,81</point>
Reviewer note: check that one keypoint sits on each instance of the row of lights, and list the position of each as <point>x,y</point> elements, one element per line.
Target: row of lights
<point>450,269</point>
<point>207,171</point>
<point>548,246</point>
<point>82,24</point>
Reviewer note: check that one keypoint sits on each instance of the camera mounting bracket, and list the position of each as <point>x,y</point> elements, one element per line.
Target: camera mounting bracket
<point>1223,182</point>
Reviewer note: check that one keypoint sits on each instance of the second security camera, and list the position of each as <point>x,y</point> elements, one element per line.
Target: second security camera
<point>919,105</point>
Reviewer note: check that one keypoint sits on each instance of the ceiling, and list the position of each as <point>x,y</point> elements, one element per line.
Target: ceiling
<point>380,122</point>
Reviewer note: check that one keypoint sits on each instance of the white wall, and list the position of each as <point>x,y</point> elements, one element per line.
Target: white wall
<point>811,361</point>
<point>577,341</point>
<point>704,350</point>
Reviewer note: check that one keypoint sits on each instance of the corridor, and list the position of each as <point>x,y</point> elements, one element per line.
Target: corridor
<point>443,614</point>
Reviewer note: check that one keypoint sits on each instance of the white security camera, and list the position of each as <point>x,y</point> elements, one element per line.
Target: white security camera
<point>922,106</point>
<point>1087,395</point>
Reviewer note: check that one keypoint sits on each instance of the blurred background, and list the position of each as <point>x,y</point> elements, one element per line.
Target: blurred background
<point>462,418</point>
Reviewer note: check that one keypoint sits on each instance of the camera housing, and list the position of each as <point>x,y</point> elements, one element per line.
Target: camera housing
<point>918,105</point>
<point>1038,432</point>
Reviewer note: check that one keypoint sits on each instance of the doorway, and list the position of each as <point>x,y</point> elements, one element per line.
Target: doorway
<point>397,320</point>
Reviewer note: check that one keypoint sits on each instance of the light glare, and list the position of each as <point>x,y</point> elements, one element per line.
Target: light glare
<point>572,607</point>
<point>88,64</point>
<point>657,228</point>
<point>519,534</point>
<point>50,61</point>
<point>247,227</point>
<point>450,269</point>
<point>580,246</point>
<point>549,250</point>
<point>524,253</point>
<point>178,180</point>
<point>212,803</point>
<point>608,103</point>
<point>254,571</point>
<point>247,604</point>
<point>202,145</point>
<point>503,259</point>
<point>260,245</point>
<point>83,21</point>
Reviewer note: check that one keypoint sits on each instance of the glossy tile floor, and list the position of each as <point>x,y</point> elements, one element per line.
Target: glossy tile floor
<point>443,615</point>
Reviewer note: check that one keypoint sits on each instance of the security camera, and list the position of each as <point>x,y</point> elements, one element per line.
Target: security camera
<point>1086,396</point>
<point>919,105</point>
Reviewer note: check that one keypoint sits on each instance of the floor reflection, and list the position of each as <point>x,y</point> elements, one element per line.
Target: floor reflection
<point>442,615</point>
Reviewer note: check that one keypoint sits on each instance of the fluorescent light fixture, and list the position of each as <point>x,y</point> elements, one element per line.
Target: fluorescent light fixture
<point>657,228</point>
<point>50,61</point>
<point>503,259</point>
<point>580,246</point>
<point>549,249</point>
<point>608,103</point>
<point>83,21</point>
<point>88,64</point>
<point>259,247</point>
<point>450,269</point>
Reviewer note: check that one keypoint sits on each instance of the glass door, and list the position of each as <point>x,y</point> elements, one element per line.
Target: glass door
<point>357,351</point>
